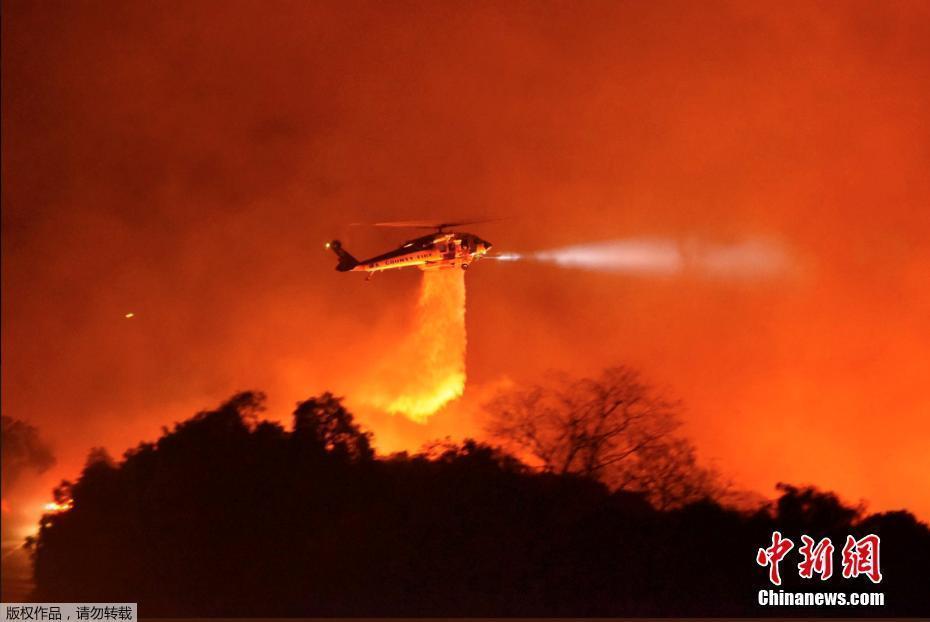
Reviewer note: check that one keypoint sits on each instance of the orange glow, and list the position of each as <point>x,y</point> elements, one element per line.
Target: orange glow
<point>427,371</point>
<point>199,194</point>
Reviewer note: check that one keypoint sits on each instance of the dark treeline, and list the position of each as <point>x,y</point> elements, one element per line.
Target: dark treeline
<point>226,515</point>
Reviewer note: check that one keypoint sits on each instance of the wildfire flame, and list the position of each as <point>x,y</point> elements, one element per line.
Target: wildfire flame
<point>54,507</point>
<point>428,369</point>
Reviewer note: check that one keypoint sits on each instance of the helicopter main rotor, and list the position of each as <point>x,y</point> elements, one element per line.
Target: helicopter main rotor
<point>420,224</point>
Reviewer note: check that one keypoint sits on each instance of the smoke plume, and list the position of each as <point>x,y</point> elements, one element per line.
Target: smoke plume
<point>23,451</point>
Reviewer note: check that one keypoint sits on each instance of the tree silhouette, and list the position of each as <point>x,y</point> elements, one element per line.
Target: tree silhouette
<point>614,428</point>
<point>669,474</point>
<point>806,508</point>
<point>325,423</point>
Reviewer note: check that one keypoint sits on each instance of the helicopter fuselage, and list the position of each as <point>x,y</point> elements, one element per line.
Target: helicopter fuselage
<point>437,251</point>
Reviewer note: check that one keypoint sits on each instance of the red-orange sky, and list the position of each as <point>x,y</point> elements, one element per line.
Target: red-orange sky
<point>186,162</point>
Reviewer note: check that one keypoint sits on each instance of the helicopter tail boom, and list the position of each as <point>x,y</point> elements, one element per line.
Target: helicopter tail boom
<point>346,261</point>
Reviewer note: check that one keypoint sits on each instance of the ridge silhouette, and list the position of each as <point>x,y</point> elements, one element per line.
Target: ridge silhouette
<point>228,515</point>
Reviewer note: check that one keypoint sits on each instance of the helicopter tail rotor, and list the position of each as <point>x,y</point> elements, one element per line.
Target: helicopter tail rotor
<point>346,261</point>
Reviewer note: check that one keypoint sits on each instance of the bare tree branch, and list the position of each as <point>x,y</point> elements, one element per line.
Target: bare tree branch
<point>614,428</point>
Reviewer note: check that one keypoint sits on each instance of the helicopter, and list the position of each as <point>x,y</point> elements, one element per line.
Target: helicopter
<point>440,250</point>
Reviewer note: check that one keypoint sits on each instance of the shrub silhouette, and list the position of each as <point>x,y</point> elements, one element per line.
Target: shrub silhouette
<point>226,515</point>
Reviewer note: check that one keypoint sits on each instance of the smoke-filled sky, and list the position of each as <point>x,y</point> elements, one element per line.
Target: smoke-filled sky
<point>186,161</point>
